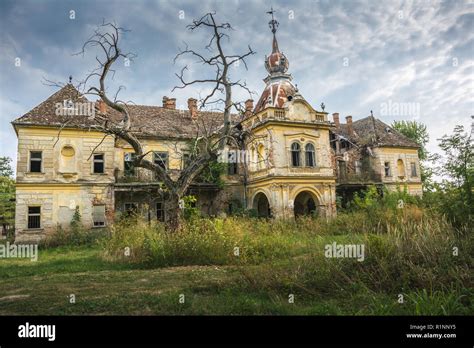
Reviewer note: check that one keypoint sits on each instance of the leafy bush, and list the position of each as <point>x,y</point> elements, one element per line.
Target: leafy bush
<point>74,236</point>
<point>190,209</point>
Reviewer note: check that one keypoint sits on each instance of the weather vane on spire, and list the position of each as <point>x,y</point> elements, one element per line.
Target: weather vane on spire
<point>273,23</point>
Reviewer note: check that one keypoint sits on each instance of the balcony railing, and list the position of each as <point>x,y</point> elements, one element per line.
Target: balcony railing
<point>319,118</point>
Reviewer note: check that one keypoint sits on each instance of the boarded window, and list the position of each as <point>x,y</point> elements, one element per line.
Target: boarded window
<point>36,158</point>
<point>401,168</point>
<point>65,216</point>
<point>99,163</point>
<point>98,215</point>
<point>160,211</point>
<point>34,217</point>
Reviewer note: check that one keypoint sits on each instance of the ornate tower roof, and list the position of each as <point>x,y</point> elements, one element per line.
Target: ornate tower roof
<point>276,62</point>
<point>279,88</point>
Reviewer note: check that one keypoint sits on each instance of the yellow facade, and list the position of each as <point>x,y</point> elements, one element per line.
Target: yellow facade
<point>273,176</point>
<point>404,167</point>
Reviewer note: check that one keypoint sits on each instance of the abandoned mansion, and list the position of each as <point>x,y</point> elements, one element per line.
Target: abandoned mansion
<point>300,159</point>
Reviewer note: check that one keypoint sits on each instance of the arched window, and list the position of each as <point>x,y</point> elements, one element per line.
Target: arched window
<point>310,156</point>
<point>261,156</point>
<point>252,158</point>
<point>295,155</point>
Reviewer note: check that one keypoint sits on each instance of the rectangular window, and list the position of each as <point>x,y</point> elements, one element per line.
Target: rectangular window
<point>186,159</point>
<point>358,167</point>
<point>99,163</point>
<point>232,168</point>
<point>387,170</point>
<point>310,162</point>
<point>295,158</point>
<point>131,208</point>
<point>160,211</point>
<point>129,169</point>
<point>161,158</point>
<point>34,217</point>
<point>98,215</point>
<point>413,169</point>
<point>36,157</point>
<point>342,169</point>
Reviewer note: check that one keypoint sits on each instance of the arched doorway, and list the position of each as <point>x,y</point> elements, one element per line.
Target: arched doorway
<point>305,204</point>
<point>261,205</point>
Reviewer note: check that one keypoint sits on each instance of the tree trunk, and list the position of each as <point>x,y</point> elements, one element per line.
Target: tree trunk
<point>173,213</point>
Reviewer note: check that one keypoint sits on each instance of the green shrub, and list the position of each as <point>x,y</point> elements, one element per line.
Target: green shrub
<point>190,209</point>
<point>74,236</point>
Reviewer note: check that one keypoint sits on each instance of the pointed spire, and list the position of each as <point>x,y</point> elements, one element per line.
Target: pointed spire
<point>275,45</point>
<point>276,62</point>
<point>273,24</point>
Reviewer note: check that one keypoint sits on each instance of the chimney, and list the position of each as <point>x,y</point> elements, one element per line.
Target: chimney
<point>192,106</point>
<point>169,103</point>
<point>248,107</point>
<point>335,117</point>
<point>349,125</point>
<point>102,107</point>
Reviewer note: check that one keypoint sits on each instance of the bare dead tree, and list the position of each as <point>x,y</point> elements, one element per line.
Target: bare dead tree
<point>207,143</point>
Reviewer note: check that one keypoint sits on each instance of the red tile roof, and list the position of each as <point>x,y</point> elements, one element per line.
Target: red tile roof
<point>146,120</point>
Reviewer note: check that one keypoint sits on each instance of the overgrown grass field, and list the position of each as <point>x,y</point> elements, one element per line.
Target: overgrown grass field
<point>415,263</point>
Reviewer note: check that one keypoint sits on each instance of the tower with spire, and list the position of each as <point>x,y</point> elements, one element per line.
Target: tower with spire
<point>289,172</point>
<point>279,89</point>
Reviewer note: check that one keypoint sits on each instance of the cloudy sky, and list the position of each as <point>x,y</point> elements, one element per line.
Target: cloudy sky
<point>402,59</point>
